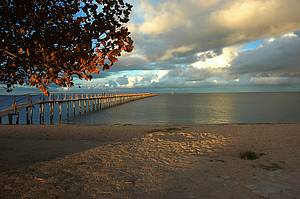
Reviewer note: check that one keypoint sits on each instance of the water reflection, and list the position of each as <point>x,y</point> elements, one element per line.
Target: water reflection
<point>202,108</point>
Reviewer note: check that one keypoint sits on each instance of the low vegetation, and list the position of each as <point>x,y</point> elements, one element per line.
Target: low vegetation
<point>249,155</point>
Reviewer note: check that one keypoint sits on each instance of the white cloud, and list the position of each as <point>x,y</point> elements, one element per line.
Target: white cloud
<point>271,63</point>
<point>210,60</point>
<point>161,18</point>
<point>290,35</point>
<point>128,79</point>
<point>191,43</point>
<point>169,25</point>
<point>159,76</point>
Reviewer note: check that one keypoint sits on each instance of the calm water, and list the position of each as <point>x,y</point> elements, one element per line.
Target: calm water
<point>183,108</point>
<point>201,108</point>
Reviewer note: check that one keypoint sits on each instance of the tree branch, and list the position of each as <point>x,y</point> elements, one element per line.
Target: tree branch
<point>9,53</point>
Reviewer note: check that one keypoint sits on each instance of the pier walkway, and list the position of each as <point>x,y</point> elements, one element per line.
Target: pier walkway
<point>73,104</point>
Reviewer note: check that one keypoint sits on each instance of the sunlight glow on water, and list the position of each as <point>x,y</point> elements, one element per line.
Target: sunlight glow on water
<point>201,108</point>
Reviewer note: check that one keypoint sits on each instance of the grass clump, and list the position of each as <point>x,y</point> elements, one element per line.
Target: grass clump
<point>248,155</point>
<point>173,129</point>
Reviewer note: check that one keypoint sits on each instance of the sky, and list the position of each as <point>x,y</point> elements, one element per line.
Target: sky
<point>208,46</point>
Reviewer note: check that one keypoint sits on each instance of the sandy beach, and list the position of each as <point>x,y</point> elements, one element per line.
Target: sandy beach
<point>162,161</point>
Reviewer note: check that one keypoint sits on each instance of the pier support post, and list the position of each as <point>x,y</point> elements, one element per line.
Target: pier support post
<point>31,115</point>
<point>67,108</point>
<point>41,110</point>
<point>15,107</point>
<point>42,113</point>
<point>17,117</point>
<point>27,115</point>
<point>59,111</point>
<point>74,108</point>
<point>10,119</point>
<point>79,106</point>
<point>51,107</point>
<point>94,102</point>
<point>84,104</point>
<point>89,103</point>
<point>98,102</point>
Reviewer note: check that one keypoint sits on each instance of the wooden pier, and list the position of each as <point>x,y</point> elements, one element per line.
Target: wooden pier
<point>75,104</point>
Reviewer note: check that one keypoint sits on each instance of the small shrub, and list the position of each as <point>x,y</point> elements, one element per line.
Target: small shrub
<point>173,129</point>
<point>248,155</point>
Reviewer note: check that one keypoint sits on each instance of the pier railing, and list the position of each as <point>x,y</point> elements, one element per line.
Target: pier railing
<point>74,104</point>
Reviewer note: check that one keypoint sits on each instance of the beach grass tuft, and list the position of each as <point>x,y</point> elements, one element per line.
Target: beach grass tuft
<point>248,155</point>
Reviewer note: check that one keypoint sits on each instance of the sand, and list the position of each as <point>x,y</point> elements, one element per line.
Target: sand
<point>132,161</point>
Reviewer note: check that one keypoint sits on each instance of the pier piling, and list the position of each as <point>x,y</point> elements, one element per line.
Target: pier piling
<point>79,104</point>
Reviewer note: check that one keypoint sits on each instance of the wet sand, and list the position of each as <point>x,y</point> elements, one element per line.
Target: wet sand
<point>162,161</point>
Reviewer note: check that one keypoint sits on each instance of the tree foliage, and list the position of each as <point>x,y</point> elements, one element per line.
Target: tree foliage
<point>52,41</point>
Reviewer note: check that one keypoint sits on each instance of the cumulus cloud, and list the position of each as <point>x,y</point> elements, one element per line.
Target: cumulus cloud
<point>193,43</point>
<point>159,19</point>
<point>204,25</point>
<point>274,61</point>
<point>210,59</point>
<point>277,56</point>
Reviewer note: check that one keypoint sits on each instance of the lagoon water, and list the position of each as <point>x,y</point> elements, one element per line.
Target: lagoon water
<point>201,109</point>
